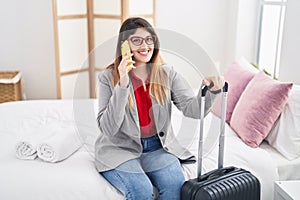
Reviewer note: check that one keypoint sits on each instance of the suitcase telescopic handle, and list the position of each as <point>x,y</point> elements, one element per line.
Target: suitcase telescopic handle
<point>204,90</point>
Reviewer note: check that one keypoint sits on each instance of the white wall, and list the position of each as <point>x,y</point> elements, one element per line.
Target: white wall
<point>245,37</point>
<point>28,40</point>
<point>289,63</point>
<point>242,36</point>
<point>231,32</point>
<point>27,44</point>
<point>225,29</point>
<point>205,22</point>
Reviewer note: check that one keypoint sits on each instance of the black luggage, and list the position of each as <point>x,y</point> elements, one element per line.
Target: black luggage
<point>226,183</point>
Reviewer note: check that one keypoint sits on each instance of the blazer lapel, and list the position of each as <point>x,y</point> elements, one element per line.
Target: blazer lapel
<point>133,111</point>
<point>159,114</point>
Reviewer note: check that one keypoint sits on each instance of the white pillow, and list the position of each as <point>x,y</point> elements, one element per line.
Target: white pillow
<point>285,135</point>
<point>243,62</point>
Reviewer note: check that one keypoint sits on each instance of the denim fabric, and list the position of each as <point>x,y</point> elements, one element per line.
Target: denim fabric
<point>156,167</point>
<point>151,144</point>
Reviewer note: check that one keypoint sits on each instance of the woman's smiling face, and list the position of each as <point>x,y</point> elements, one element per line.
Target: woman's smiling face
<point>143,52</point>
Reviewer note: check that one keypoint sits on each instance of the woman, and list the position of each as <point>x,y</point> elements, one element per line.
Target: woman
<point>137,148</point>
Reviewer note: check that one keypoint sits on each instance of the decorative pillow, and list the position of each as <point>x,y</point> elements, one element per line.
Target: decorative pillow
<point>237,78</point>
<point>258,108</point>
<point>285,135</point>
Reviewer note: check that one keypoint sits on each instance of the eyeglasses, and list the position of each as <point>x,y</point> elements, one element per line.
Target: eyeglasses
<point>137,41</point>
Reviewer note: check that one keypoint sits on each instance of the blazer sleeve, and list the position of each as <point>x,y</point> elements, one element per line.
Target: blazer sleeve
<point>184,98</point>
<point>112,103</point>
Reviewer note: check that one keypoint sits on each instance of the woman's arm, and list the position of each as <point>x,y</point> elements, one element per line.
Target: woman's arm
<point>184,98</point>
<point>112,105</point>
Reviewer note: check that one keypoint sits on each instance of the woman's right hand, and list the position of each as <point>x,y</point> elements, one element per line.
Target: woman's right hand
<point>125,63</point>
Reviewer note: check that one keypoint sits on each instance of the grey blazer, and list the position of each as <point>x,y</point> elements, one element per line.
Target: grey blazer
<point>120,141</point>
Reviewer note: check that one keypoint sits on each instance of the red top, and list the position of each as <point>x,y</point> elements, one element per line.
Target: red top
<point>144,106</point>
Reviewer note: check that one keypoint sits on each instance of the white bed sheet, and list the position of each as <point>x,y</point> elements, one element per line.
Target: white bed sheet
<point>77,178</point>
<point>287,169</point>
<point>74,178</point>
<point>71,179</point>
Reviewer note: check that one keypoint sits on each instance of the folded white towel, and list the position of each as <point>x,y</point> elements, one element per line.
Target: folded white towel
<point>26,150</point>
<point>60,146</point>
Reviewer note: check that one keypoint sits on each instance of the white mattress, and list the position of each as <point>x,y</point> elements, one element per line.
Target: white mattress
<point>287,169</point>
<point>74,178</point>
<point>71,179</point>
<point>77,178</point>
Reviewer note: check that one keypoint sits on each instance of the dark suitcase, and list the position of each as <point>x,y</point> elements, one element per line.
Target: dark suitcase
<point>226,183</point>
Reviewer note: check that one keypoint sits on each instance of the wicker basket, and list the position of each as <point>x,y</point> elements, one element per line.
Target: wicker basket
<point>10,86</point>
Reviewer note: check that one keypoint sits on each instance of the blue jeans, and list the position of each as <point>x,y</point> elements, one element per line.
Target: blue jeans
<point>156,167</point>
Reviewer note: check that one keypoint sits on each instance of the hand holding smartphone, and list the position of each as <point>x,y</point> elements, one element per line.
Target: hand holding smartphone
<point>125,50</point>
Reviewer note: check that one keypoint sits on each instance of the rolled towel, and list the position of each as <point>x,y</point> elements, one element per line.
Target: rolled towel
<point>26,150</point>
<point>60,146</point>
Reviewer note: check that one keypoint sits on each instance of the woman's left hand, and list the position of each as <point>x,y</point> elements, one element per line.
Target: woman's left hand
<point>214,83</point>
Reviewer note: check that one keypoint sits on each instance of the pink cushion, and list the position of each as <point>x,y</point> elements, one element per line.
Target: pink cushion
<point>237,78</point>
<point>258,108</point>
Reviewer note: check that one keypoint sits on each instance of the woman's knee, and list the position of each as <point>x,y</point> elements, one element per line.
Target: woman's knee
<point>168,181</point>
<point>132,185</point>
<point>142,189</point>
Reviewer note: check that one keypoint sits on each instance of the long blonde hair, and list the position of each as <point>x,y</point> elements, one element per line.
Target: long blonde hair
<point>158,77</point>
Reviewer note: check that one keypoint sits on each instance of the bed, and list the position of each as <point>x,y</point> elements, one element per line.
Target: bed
<point>73,178</point>
<point>76,177</point>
